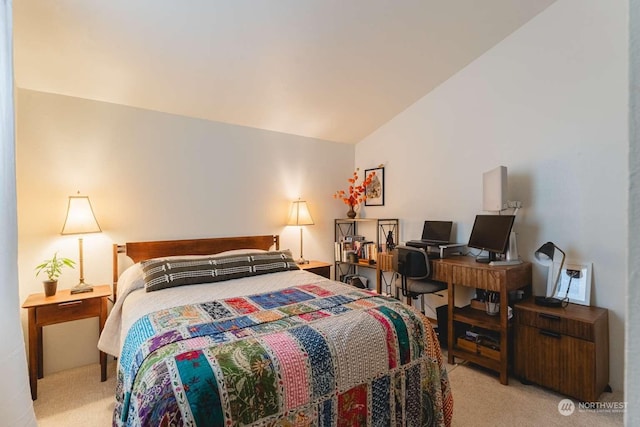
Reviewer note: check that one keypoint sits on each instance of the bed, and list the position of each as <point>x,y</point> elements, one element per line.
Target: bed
<point>230,332</point>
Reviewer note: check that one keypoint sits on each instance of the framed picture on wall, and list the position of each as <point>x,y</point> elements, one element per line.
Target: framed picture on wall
<point>575,282</point>
<point>375,190</point>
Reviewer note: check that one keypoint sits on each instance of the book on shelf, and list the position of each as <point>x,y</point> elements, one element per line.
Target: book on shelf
<point>342,251</point>
<point>364,250</point>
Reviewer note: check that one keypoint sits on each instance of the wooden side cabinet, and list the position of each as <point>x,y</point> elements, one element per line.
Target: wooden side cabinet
<point>564,349</point>
<point>317,267</point>
<point>62,307</point>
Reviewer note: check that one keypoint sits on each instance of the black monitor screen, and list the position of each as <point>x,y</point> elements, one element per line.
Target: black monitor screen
<point>439,231</point>
<point>491,233</point>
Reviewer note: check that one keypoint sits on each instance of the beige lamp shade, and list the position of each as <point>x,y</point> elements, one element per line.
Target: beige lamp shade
<point>299,214</point>
<point>80,218</point>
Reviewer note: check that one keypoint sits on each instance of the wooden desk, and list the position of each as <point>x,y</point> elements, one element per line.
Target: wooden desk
<point>62,307</point>
<point>465,271</point>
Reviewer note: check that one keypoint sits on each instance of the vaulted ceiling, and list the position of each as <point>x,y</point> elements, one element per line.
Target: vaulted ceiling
<point>329,69</point>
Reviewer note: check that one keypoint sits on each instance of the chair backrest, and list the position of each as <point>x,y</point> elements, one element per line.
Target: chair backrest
<point>413,263</point>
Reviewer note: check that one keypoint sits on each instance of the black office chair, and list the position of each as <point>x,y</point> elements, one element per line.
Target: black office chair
<point>412,265</point>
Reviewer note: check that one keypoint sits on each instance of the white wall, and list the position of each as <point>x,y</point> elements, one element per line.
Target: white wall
<point>550,103</point>
<point>155,176</point>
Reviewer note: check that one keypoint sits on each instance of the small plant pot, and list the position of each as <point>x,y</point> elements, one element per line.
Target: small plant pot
<point>50,287</point>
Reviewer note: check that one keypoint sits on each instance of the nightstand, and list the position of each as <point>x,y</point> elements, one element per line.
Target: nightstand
<point>564,349</point>
<point>317,267</point>
<point>62,307</point>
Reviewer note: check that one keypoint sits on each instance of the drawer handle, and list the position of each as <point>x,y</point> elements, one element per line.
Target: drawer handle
<point>550,334</point>
<point>549,316</point>
<point>69,304</point>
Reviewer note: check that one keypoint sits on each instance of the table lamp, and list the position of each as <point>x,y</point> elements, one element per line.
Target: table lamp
<point>546,255</point>
<point>80,220</point>
<point>299,215</point>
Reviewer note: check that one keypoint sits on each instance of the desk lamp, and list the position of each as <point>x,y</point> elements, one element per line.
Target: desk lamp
<point>299,215</point>
<point>80,220</point>
<point>546,255</point>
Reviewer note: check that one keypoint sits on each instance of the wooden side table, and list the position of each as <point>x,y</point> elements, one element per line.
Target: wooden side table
<point>317,267</point>
<point>564,349</point>
<point>62,307</point>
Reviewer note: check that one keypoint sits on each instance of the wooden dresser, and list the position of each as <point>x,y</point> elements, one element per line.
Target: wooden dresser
<point>564,349</point>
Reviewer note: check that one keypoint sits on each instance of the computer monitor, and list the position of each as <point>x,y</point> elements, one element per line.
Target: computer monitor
<point>437,231</point>
<point>491,233</point>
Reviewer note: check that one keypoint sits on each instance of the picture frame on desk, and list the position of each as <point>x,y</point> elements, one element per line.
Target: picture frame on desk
<point>375,190</point>
<point>577,277</point>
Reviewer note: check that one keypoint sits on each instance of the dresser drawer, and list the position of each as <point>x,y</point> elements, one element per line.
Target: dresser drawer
<point>584,322</point>
<point>65,311</point>
<point>488,279</point>
<point>557,324</point>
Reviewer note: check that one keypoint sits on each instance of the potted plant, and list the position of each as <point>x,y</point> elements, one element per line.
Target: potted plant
<point>53,268</point>
<point>356,193</point>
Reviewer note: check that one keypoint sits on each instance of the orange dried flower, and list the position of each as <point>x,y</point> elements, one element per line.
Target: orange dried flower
<point>356,193</point>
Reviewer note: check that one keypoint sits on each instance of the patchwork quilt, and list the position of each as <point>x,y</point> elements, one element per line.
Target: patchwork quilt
<point>310,355</point>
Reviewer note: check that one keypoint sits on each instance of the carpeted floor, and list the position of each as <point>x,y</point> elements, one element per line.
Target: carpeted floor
<point>480,400</point>
<point>76,397</point>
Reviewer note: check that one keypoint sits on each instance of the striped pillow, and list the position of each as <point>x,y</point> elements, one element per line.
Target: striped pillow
<point>161,273</point>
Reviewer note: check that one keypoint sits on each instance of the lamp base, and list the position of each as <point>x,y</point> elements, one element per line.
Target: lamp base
<point>302,261</point>
<point>81,288</point>
<point>548,302</point>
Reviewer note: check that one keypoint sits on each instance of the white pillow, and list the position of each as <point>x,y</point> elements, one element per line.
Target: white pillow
<point>131,279</point>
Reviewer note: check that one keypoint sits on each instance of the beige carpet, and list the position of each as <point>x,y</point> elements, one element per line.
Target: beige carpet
<point>480,400</point>
<point>76,397</point>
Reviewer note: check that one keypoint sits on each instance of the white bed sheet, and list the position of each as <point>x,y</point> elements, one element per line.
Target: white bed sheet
<point>134,302</point>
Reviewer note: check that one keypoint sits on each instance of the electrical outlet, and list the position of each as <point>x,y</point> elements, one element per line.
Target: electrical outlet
<point>574,274</point>
<point>514,204</point>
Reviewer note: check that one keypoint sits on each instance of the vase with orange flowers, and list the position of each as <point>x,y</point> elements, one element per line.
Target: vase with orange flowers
<point>356,193</point>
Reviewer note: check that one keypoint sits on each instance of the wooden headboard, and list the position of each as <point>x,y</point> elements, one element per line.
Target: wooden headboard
<point>140,251</point>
